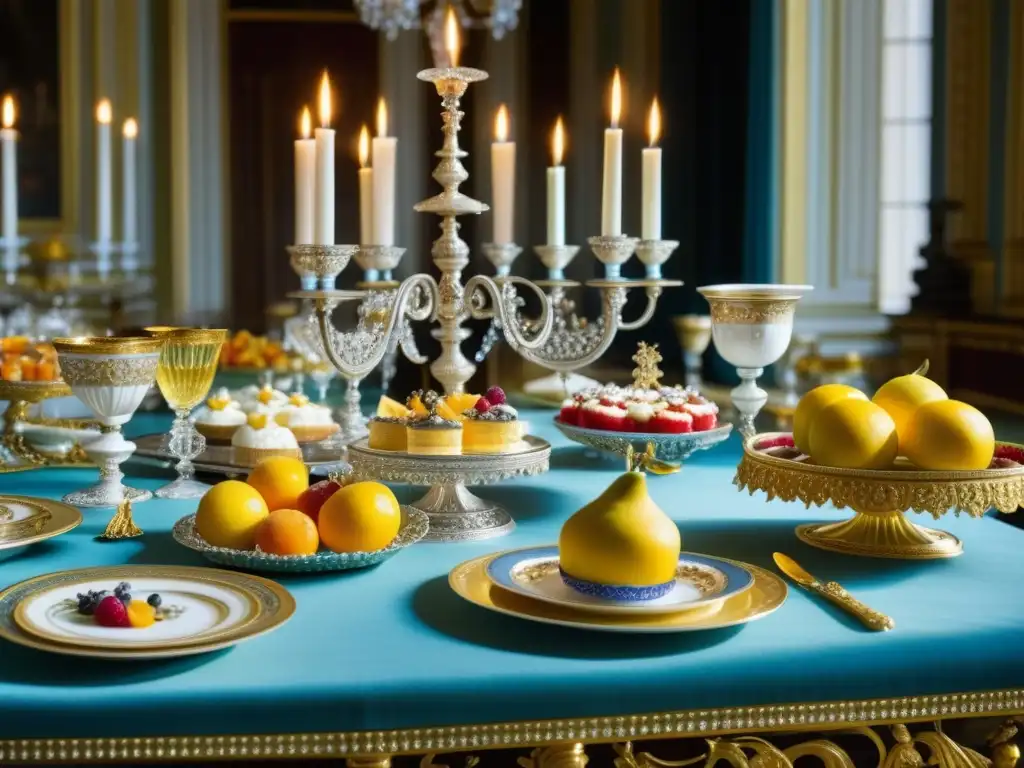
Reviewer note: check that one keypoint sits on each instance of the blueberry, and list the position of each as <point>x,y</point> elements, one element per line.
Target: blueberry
<point>155,600</point>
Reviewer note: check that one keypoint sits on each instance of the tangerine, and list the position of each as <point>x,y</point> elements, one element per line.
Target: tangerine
<point>280,481</point>
<point>288,532</point>
<point>229,514</point>
<point>362,517</point>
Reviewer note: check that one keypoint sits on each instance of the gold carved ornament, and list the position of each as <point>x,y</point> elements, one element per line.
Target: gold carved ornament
<point>750,311</point>
<point>121,371</point>
<point>647,375</point>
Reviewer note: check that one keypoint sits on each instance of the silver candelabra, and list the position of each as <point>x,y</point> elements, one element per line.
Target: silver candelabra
<point>551,339</point>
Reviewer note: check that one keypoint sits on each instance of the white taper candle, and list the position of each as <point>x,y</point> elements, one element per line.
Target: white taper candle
<point>323,206</point>
<point>611,187</point>
<point>651,196</point>
<point>384,150</point>
<point>129,218</point>
<point>503,179</point>
<point>305,180</point>
<point>556,187</point>
<point>104,182</point>
<point>365,189</point>
<point>9,161</point>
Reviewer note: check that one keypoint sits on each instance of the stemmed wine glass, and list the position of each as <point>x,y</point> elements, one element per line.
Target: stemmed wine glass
<point>188,364</point>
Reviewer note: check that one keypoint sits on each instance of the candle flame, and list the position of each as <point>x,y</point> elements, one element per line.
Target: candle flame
<point>382,117</point>
<point>616,98</point>
<point>8,111</point>
<point>558,142</point>
<point>654,123</point>
<point>364,147</point>
<point>131,128</point>
<point>305,123</point>
<point>451,37</point>
<point>324,101</point>
<point>103,112</point>
<point>501,124</point>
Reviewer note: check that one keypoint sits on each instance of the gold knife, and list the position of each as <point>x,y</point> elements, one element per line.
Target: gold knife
<point>830,590</point>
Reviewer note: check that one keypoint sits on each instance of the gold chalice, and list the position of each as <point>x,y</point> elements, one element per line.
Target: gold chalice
<point>879,498</point>
<point>694,334</point>
<point>111,375</point>
<point>188,364</point>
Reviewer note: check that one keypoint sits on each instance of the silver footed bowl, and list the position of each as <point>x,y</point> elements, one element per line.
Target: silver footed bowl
<point>413,527</point>
<point>667,447</point>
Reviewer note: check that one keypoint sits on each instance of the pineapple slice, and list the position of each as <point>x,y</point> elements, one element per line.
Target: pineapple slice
<point>391,409</point>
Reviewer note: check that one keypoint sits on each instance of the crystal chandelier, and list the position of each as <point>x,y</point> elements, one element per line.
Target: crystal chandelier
<point>393,16</point>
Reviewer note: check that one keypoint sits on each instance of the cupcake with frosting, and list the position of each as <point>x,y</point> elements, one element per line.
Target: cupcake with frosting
<point>261,437</point>
<point>220,417</point>
<point>254,399</point>
<point>309,423</point>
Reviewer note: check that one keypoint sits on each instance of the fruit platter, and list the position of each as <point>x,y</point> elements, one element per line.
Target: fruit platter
<point>908,448</point>
<point>612,419</point>
<point>276,521</point>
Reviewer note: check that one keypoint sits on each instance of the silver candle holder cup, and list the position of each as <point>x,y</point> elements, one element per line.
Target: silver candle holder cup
<point>556,258</point>
<point>378,261</point>
<point>613,251</point>
<point>654,253</point>
<point>324,262</point>
<point>502,255</point>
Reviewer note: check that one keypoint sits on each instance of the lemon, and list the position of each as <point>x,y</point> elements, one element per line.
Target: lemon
<point>810,406</point>
<point>901,396</point>
<point>229,515</point>
<point>361,517</point>
<point>852,433</point>
<point>948,435</point>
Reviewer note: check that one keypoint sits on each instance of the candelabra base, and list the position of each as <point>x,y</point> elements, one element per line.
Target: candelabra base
<point>455,514</point>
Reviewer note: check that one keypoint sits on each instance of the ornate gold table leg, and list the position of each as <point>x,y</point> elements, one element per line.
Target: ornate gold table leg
<point>886,533</point>
<point>557,756</point>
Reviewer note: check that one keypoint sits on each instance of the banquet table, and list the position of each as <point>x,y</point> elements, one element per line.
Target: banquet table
<point>388,660</point>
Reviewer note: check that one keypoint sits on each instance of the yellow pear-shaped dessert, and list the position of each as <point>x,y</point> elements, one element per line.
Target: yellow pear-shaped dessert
<point>621,546</point>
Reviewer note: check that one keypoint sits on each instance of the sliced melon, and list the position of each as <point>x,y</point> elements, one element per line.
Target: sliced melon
<point>391,409</point>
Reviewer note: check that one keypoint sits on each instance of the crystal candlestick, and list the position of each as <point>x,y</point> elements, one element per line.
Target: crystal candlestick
<point>654,253</point>
<point>751,326</point>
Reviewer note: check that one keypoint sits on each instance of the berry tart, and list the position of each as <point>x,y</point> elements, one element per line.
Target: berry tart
<point>491,425</point>
<point>662,410</point>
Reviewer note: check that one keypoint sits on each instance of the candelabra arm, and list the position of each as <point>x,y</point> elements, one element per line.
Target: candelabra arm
<point>523,335</point>
<point>357,352</point>
<point>653,293</point>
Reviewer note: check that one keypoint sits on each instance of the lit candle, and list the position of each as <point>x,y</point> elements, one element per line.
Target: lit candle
<point>365,189</point>
<point>451,37</point>
<point>104,188</point>
<point>323,206</point>
<point>611,188</point>
<point>556,187</point>
<point>305,179</point>
<point>129,224</point>
<point>651,198</point>
<point>9,159</point>
<point>383,151</point>
<point>503,179</point>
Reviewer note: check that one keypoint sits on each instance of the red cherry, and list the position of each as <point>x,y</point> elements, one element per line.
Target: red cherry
<point>311,499</point>
<point>483,405</point>
<point>111,613</point>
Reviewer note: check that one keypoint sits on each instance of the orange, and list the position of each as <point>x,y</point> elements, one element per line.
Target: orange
<point>361,517</point>
<point>948,435</point>
<point>229,514</point>
<point>388,408</point>
<point>415,404</point>
<point>288,532</point>
<point>445,411</point>
<point>812,404</point>
<point>280,480</point>
<point>141,614</point>
<point>460,402</point>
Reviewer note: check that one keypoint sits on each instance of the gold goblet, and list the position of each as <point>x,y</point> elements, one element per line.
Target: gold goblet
<point>188,364</point>
<point>694,334</point>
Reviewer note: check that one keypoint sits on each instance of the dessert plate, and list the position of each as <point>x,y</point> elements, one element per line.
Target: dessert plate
<point>471,582</point>
<point>701,581</point>
<point>668,447</point>
<point>203,610</point>
<point>413,527</point>
<point>26,520</point>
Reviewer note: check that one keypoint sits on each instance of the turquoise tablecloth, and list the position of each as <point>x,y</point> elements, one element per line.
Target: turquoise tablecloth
<point>392,647</point>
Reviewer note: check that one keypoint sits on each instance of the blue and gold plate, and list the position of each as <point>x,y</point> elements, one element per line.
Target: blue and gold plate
<point>701,581</point>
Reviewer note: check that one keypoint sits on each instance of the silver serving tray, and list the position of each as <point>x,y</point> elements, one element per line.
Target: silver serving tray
<point>220,459</point>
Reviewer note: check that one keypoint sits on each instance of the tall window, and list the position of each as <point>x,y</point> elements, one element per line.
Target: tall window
<point>906,148</point>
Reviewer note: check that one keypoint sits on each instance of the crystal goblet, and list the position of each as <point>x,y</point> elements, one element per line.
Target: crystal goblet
<point>187,366</point>
<point>751,326</point>
<point>111,375</point>
<point>694,334</point>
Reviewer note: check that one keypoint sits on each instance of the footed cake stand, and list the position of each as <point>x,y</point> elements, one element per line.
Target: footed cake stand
<point>879,498</point>
<point>455,514</point>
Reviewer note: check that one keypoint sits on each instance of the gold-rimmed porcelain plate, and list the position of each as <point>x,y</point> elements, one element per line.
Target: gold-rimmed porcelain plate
<point>203,609</point>
<point>59,518</point>
<point>470,581</point>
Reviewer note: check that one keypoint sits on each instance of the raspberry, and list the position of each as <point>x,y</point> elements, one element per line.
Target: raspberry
<point>111,612</point>
<point>495,396</point>
<point>483,405</point>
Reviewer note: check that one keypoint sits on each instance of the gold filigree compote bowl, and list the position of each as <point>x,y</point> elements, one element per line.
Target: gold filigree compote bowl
<point>111,375</point>
<point>879,498</point>
<point>187,366</point>
<point>19,445</point>
<point>751,325</point>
